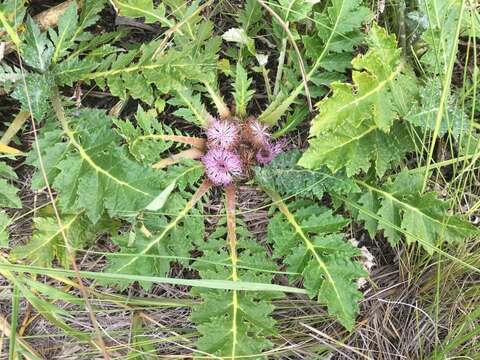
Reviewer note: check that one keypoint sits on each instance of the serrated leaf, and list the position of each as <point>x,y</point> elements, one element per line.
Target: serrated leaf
<point>182,176</point>
<point>130,244</point>
<point>190,107</point>
<point>369,201</point>
<point>293,120</point>
<point>233,323</point>
<point>351,129</point>
<point>284,176</point>
<point>138,256</point>
<point>422,218</point>
<point>89,13</point>
<point>47,243</point>
<point>93,172</point>
<point>242,92</point>
<point>443,17</point>
<point>144,140</point>
<point>250,16</point>
<point>338,28</point>
<point>7,172</point>
<point>247,338</point>
<point>71,69</point>
<point>140,73</point>
<point>295,10</point>
<point>12,13</point>
<point>65,35</point>
<point>162,198</point>
<point>143,9</point>
<point>8,195</point>
<point>9,75</point>
<point>330,37</point>
<point>150,248</point>
<point>8,192</point>
<point>34,93</point>
<point>319,254</point>
<point>37,50</point>
<point>423,112</point>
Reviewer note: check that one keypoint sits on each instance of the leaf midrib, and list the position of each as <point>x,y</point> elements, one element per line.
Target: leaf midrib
<point>407,206</point>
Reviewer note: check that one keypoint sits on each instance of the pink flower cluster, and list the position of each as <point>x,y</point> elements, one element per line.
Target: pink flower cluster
<point>222,166</point>
<point>221,163</point>
<point>269,152</point>
<point>222,160</point>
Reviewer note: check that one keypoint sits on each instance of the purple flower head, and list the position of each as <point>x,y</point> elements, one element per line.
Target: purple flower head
<point>269,152</point>
<point>259,130</point>
<point>221,166</point>
<point>222,133</point>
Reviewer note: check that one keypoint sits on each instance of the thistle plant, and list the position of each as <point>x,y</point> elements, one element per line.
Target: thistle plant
<point>230,150</point>
<point>142,179</point>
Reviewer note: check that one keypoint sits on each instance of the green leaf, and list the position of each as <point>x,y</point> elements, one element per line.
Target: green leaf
<point>293,120</point>
<point>190,107</point>
<point>71,69</point>
<point>37,50</point>
<point>242,94</point>
<point>401,209</point>
<point>233,323</point>
<point>92,171</point>
<point>47,243</point>
<point>144,9</point>
<point>284,176</point>
<point>329,38</point>
<point>65,35</point>
<point>13,12</point>
<point>250,16</point>
<point>423,112</point>
<point>8,192</point>
<point>9,75</point>
<point>137,256</point>
<point>338,32</point>
<point>142,346</point>
<point>5,221</point>
<point>8,195</point>
<point>369,201</point>
<point>7,172</point>
<point>358,125</point>
<point>34,93</point>
<point>89,14</point>
<point>306,236</point>
<point>346,18</point>
<point>130,244</point>
<point>181,176</point>
<point>295,10</point>
<point>140,73</point>
<point>443,18</point>
<point>144,140</point>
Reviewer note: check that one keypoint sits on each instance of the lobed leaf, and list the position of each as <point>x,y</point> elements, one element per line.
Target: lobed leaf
<point>48,244</point>
<point>305,236</point>
<point>91,171</point>
<point>400,208</point>
<point>234,323</point>
<point>286,177</point>
<point>8,192</point>
<point>242,92</point>
<point>37,49</point>
<point>358,122</point>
